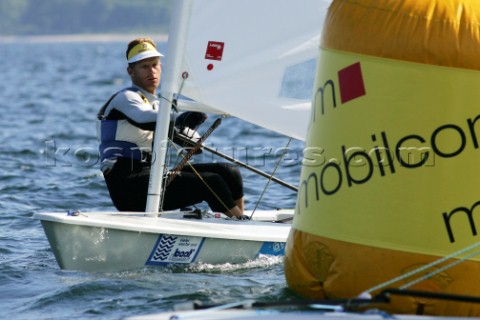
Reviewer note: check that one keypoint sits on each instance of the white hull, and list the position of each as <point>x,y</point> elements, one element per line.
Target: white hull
<point>277,315</point>
<point>315,310</point>
<point>113,241</point>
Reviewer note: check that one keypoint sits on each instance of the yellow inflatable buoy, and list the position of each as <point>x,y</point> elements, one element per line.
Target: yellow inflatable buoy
<point>391,173</point>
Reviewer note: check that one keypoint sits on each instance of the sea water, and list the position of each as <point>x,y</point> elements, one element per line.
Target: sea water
<point>50,94</point>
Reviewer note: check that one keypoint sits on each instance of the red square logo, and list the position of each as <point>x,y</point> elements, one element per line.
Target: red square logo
<point>351,82</point>
<point>214,50</point>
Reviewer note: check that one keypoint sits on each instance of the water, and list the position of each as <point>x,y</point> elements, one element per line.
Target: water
<point>51,93</point>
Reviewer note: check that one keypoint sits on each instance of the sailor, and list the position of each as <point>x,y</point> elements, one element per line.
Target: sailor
<point>125,132</point>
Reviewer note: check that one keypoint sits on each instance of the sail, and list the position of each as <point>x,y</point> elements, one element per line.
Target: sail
<point>254,60</point>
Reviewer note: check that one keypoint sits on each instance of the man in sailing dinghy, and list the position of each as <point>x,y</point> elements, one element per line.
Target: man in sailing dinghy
<point>126,128</point>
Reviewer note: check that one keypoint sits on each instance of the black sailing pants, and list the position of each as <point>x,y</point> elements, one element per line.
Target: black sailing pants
<point>127,184</point>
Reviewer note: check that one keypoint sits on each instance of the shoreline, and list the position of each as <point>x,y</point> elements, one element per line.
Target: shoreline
<point>96,37</point>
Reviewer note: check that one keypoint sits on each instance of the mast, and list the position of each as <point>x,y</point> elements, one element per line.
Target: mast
<point>170,85</point>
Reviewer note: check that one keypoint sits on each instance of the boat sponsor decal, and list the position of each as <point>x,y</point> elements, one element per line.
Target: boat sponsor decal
<point>214,50</point>
<point>171,249</point>
<point>273,248</point>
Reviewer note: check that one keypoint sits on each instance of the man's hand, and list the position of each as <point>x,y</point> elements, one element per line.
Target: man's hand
<point>190,119</point>
<point>185,126</point>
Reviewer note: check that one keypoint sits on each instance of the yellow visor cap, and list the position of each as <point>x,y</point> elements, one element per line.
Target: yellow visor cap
<point>142,51</point>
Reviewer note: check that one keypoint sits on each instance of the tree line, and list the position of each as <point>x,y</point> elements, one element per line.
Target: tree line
<point>40,17</point>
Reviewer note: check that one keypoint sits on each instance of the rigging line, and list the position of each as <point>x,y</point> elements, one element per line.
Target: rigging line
<point>173,103</point>
<point>184,77</point>
<point>169,101</point>
<point>425,267</point>
<point>270,178</point>
<point>203,181</point>
<point>175,171</point>
<point>244,165</point>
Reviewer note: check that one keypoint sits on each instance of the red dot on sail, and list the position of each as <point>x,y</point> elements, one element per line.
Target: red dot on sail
<point>210,67</point>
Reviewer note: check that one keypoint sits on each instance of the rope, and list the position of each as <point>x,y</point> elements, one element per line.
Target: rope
<point>270,178</point>
<point>203,181</point>
<point>169,177</point>
<point>448,266</point>
<point>173,103</point>
<point>175,171</point>
<point>427,266</point>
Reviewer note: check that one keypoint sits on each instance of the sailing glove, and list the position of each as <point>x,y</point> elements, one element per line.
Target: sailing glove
<point>185,133</point>
<point>190,119</point>
<point>243,217</point>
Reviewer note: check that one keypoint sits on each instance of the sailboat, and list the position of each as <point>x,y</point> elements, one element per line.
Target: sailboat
<point>237,62</point>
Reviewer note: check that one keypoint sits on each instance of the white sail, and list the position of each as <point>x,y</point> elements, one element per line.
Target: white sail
<point>244,58</point>
<point>254,60</point>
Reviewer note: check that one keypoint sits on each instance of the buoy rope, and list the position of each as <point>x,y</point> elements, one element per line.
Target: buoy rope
<point>427,266</point>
